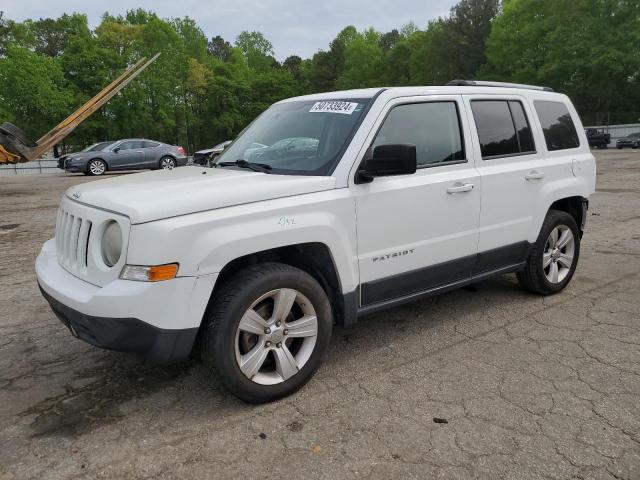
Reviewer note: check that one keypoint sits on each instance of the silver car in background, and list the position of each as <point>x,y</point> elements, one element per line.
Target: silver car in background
<point>126,154</point>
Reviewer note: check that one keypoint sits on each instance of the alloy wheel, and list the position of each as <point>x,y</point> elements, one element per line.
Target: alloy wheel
<point>168,163</point>
<point>276,336</point>
<point>557,258</point>
<point>96,167</point>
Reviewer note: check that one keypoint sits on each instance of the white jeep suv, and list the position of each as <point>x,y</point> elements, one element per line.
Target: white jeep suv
<point>325,209</point>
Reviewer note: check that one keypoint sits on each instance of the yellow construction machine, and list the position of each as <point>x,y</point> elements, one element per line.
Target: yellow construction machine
<point>16,147</point>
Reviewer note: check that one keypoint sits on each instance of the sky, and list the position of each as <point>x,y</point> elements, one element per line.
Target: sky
<point>300,27</point>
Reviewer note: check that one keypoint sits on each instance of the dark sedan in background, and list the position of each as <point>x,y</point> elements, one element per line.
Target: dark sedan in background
<point>630,141</point>
<point>127,154</point>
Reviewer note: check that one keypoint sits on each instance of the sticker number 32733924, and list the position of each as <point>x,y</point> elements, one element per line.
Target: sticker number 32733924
<point>346,108</point>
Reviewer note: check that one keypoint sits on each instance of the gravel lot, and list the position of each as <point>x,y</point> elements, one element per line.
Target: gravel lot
<point>531,387</point>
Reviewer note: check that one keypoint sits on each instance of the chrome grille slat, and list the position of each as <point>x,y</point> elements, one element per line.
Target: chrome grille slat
<point>75,232</point>
<point>67,238</point>
<point>83,242</point>
<point>63,237</point>
<point>58,239</point>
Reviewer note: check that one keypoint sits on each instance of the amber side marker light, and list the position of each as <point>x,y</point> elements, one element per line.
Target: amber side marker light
<point>156,273</point>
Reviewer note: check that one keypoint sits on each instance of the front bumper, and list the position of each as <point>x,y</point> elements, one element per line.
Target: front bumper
<point>126,334</point>
<point>159,320</point>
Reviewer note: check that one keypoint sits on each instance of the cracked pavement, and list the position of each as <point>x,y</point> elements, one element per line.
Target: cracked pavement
<point>530,387</point>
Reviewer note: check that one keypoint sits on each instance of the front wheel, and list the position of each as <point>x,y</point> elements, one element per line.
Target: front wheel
<point>267,331</point>
<point>96,167</point>
<point>554,257</point>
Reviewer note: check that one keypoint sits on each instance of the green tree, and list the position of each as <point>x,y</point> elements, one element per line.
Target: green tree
<point>219,48</point>
<point>257,50</point>
<point>362,60</point>
<point>33,89</point>
<point>453,47</point>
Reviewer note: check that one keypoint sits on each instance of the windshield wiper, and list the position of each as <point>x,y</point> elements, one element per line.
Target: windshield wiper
<point>242,163</point>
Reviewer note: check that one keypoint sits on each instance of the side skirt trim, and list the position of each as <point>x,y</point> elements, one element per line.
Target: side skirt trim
<point>377,307</point>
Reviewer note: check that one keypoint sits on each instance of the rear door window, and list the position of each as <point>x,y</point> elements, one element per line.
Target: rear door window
<point>557,125</point>
<point>503,128</point>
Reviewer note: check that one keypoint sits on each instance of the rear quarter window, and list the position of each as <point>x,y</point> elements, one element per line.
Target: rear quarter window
<point>557,125</point>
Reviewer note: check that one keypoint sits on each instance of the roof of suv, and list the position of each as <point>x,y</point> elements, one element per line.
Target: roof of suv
<point>471,87</point>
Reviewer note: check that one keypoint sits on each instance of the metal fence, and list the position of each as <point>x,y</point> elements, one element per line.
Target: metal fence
<point>35,166</point>
<point>618,131</point>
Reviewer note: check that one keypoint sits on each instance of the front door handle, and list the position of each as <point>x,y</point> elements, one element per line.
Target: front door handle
<point>534,175</point>
<point>459,187</point>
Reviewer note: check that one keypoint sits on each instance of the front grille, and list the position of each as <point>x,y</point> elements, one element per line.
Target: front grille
<point>72,239</point>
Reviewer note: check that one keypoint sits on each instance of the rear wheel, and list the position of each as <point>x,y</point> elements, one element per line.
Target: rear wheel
<point>267,331</point>
<point>96,167</point>
<point>167,163</point>
<point>553,258</point>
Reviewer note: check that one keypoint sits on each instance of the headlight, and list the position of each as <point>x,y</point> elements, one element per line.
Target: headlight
<point>111,244</point>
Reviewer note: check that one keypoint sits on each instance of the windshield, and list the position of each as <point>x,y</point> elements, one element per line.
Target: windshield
<point>98,147</point>
<point>303,137</point>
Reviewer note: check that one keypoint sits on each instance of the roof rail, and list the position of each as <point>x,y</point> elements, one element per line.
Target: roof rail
<point>481,83</point>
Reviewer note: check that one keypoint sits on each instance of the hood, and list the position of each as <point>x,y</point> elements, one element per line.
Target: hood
<point>148,196</point>
<point>207,151</point>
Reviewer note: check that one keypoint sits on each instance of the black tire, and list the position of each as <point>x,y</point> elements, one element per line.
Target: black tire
<point>619,148</point>
<point>11,129</point>
<point>229,304</point>
<point>533,277</point>
<point>94,172</point>
<point>165,160</point>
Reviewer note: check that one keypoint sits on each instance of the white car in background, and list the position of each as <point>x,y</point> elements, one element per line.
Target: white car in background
<point>208,156</point>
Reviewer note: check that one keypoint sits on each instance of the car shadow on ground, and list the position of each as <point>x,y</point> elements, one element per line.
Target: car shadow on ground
<point>118,382</point>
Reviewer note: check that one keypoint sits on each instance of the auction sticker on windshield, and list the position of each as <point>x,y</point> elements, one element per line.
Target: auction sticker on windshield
<point>346,108</point>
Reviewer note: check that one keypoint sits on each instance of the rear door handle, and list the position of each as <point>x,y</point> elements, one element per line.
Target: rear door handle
<point>534,175</point>
<point>459,187</point>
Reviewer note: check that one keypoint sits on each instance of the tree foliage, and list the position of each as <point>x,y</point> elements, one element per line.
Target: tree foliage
<point>587,49</point>
<point>205,90</point>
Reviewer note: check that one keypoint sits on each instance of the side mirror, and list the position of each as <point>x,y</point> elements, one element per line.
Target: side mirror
<point>388,160</point>
<point>116,150</point>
